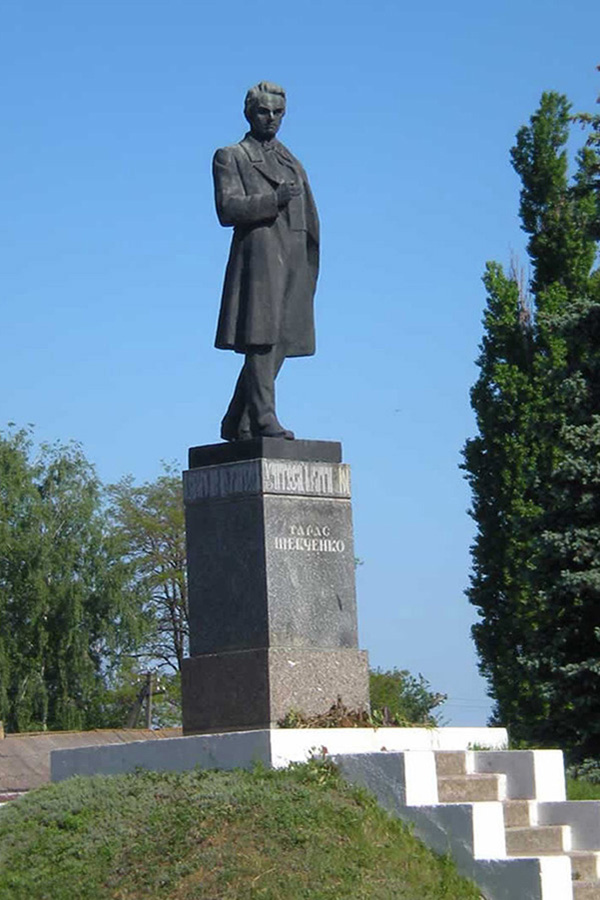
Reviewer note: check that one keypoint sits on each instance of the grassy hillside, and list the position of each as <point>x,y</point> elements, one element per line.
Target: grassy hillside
<point>300,833</point>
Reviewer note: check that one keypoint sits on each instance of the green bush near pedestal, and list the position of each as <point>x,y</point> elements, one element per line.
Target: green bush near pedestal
<point>399,698</point>
<point>277,835</point>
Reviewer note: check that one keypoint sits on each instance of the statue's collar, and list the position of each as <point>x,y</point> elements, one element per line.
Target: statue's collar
<point>256,152</point>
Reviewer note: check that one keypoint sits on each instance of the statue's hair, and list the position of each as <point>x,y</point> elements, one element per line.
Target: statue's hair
<point>263,87</point>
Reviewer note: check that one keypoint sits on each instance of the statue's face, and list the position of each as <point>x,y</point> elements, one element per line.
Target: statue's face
<point>265,117</point>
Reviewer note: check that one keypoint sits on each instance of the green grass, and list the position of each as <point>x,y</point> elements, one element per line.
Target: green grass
<point>299,834</point>
<point>580,789</point>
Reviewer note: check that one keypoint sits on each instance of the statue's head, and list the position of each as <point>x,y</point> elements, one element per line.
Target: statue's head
<point>264,109</point>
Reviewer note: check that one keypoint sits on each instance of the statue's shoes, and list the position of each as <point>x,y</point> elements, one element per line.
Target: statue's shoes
<point>234,433</point>
<point>277,433</point>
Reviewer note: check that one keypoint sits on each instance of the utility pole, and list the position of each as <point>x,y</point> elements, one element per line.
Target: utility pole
<point>145,694</point>
<point>148,699</point>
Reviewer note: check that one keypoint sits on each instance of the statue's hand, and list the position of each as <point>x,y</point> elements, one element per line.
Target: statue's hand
<point>286,191</point>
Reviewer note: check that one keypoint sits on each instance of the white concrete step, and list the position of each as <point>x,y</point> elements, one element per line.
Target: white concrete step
<point>471,788</point>
<point>531,774</point>
<point>538,840</point>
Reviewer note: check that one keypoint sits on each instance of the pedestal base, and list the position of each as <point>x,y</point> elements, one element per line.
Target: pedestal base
<point>271,576</point>
<point>252,689</point>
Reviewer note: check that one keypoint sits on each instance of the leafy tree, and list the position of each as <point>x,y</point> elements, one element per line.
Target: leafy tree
<point>149,521</point>
<point>593,144</point>
<point>554,212</point>
<point>532,467</point>
<point>64,615</point>
<point>22,586</point>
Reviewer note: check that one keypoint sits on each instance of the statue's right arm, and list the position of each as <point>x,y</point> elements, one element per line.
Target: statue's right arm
<point>234,205</point>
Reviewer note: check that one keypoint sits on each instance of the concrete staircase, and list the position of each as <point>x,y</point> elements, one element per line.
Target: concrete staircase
<point>525,835</point>
<point>502,815</point>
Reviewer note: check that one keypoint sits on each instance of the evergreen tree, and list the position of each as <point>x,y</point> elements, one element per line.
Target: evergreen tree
<point>567,572</point>
<point>500,464</point>
<point>532,467</point>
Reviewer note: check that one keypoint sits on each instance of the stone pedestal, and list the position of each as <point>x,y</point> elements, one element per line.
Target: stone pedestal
<point>271,585</point>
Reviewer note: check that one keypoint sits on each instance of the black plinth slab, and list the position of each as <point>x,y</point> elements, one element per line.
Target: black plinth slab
<point>265,448</point>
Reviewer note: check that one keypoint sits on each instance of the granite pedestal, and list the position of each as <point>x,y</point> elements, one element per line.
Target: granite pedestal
<point>271,585</point>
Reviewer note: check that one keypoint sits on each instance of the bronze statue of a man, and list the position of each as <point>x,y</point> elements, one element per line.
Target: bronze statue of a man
<point>267,303</point>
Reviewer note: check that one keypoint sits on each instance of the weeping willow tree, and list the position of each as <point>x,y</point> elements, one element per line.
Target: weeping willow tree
<point>64,614</point>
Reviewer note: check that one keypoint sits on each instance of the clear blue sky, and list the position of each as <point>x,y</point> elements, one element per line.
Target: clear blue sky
<point>111,257</point>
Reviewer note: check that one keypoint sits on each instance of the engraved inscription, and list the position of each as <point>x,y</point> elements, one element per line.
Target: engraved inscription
<point>344,480</point>
<point>268,476</point>
<point>294,477</point>
<point>310,530</point>
<point>222,481</point>
<point>310,538</point>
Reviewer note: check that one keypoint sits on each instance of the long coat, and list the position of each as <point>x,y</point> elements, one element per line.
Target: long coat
<point>273,263</point>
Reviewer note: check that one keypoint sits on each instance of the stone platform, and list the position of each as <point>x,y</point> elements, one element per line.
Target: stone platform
<point>274,747</point>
